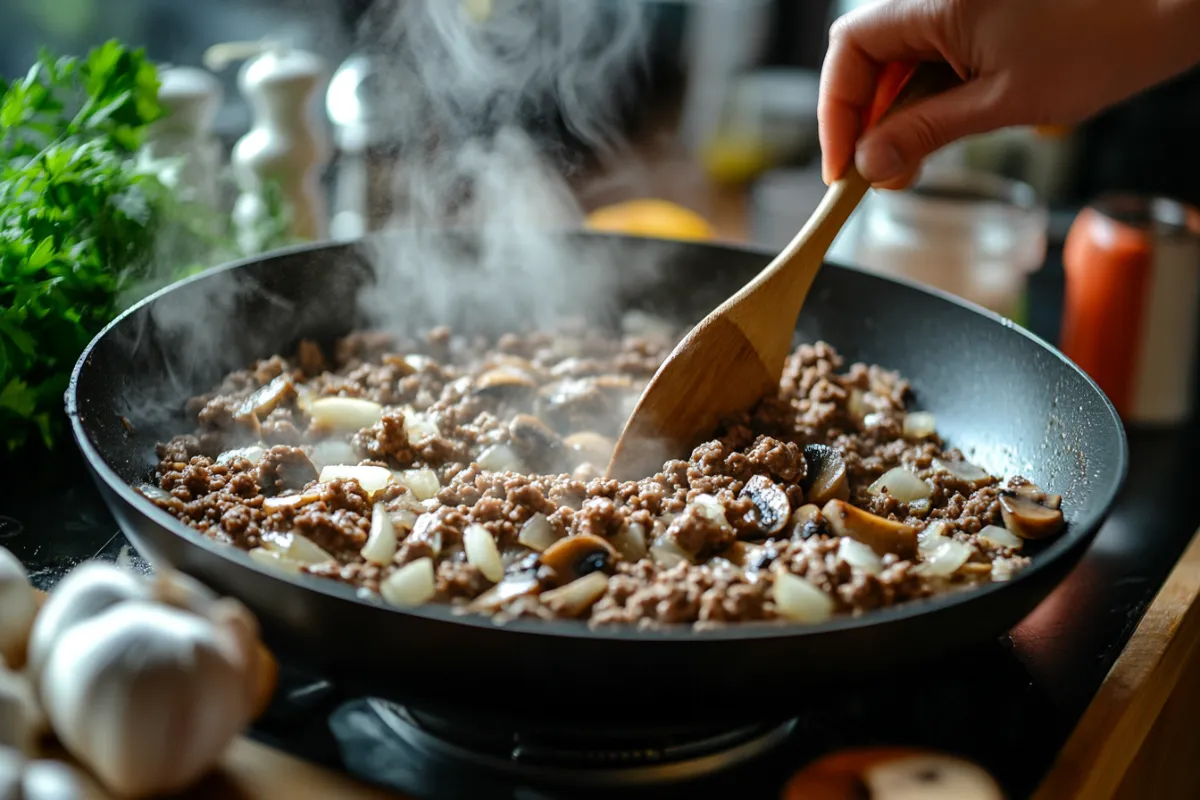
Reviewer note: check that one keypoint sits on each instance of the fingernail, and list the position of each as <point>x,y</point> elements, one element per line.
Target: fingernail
<point>878,162</point>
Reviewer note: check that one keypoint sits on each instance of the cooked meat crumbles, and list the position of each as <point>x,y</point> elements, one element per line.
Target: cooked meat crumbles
<point>470,473</point>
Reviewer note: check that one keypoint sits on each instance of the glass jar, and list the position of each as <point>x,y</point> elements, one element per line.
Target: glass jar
<point>972,234</point>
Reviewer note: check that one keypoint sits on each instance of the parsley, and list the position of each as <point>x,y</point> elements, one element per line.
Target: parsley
<point>86,224</point>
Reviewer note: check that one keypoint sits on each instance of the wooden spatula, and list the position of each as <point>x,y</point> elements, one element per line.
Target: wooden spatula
<point>735,356</point>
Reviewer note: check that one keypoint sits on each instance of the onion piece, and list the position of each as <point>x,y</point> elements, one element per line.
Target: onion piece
<point>919,425</point>
<point>798,600</point>
<point>333,451</point>
<point>411,585</point>
<point>901,484</point>
<point>500,458</point>
<point>381,543</point>
<point>712,509</point>
<point>577,596</point>
<point>418,425</point>
<point>512,587</point>
<point>666,553</point>
<point>304,551</point>
<point>946,559</point>
<point>403,519</point>
<point>345,414</point>
<point>253,454</point>
<point>482,552</point>
<point>631,542</point>
<point>423,483</point>
<point>856,404</point>
<point>932,538</point>
<point>274,560</point>
<point>860,556</point>
<point>963,470</point>
<point>999,537</point>
<point>537,533</point>
<point>371,479</point>
<point>271,504</point>
<point>156,493</point>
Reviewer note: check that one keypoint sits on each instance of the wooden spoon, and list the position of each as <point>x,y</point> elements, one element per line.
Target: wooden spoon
<point>735,356</point>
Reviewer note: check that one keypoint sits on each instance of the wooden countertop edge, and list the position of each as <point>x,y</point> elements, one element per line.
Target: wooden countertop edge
<point>1107,740</point>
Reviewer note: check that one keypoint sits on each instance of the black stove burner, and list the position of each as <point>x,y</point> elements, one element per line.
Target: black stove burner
<point>582,758</point>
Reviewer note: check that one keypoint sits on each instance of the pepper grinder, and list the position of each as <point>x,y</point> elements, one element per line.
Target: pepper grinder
<point>285,145</point>
<point>190,97</point>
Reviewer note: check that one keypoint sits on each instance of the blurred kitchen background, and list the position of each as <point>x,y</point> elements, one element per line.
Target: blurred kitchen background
<point>723,129</point>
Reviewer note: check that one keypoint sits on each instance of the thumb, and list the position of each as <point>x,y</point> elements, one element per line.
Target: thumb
<point>892,152</point>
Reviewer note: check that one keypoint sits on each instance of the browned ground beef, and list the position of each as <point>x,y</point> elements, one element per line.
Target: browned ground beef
<point>554,403</point>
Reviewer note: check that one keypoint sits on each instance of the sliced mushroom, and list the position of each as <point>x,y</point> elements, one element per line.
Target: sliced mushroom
<point>589,447</point>
<point>1038,495</point>
<point>267,398</point>
<point>505,383</point>
<point>826,477</point>
<point>807,521</point>
<point>771,507</point>
<point>1029,519</point>
<point>530,436</point>
<point>575,556</point>
<point>577,596</point>
<point>521,584</point>
<point>883,535</point>
<point>892,773</point>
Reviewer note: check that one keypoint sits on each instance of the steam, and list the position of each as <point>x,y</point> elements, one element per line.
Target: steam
<point>476,98</point>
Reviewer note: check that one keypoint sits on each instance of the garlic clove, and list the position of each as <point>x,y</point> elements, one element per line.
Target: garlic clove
<point>51,780</point>
<point>261,670</point>
<point>18,607</point>
<point>183,592</point>
<point>22,722</point>
<point>86,591</point>
<point>146,696</point>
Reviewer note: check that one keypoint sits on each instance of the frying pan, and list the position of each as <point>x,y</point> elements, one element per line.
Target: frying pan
<point>1007,399</point>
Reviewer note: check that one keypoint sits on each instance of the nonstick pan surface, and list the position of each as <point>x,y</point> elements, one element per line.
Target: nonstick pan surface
<point>1008,400</point>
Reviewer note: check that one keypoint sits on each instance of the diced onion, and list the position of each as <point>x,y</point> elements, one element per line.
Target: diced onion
<point>482,552</point>
<point>345,414</point>
<point>798,600</point>
<point>499,458</point>
<point>411,585</point>
<point>856,404</point>
<point>919,425</point>
<point>152,492</point>
<point>963,470</point>
<point>901,484</point>
<point>631,542</point>
<point>271,504</point>
<point>710,507</point>
<point>274,560</point>
<point>577,596</point>
<point>1000,537</point>
<point>403,518</point>
<point>944,561</point>
<point>253,454</point>
<point>860,556</point>
<point>537,533</point>
<point>304,551</point>
<point>512,587</point>
<point>371,479</point>
<point>932,538</point>
<point>381,543</point>
<point>423,483</point>
<point>418,426</point>
<point>333,451</point>
<point>666,553</point>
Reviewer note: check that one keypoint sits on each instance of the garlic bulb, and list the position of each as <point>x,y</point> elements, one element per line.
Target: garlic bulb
<point>18,607</point>
<point>149,696</point>
<point>87,590</point>
<point>37,780</point>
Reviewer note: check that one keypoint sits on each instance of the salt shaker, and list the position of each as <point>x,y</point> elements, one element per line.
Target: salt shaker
<point>190,97</point>
<point>285,145</point>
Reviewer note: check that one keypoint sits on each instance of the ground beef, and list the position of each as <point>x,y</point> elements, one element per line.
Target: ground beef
<point>497,427</point>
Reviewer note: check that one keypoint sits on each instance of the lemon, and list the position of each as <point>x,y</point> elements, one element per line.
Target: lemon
<point>653,218</point>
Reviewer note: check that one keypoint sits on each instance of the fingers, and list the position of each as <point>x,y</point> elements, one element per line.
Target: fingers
<point>890,155</point>
<point>860,44</point>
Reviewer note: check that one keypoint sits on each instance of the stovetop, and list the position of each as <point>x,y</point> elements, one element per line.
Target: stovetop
<point>1009,705</point>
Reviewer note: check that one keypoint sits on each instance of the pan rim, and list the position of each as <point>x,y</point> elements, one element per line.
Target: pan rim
<point>1079,535</point>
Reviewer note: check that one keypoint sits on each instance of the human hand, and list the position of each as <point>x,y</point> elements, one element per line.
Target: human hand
<point>1024,62</point>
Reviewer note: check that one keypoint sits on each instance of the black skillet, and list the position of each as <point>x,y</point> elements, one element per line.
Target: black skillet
<point>1008,400</point>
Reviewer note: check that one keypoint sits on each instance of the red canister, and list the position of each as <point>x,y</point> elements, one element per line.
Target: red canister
<point>1132,303</point>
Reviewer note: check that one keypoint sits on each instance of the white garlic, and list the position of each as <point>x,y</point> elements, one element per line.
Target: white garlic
<point>22,723</point>
<point>149,696</point>
<point>86,591</point>
<point>37,780</point>
<point>18,607</point>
